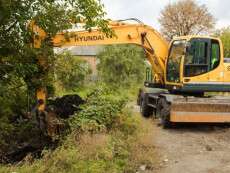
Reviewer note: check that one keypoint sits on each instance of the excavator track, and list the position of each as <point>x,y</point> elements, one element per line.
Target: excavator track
<point>203,110</point>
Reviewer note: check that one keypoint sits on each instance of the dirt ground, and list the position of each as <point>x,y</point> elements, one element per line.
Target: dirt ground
<point>191,148</point>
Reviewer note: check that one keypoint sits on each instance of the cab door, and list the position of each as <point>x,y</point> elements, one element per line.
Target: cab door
<point>174,66</point>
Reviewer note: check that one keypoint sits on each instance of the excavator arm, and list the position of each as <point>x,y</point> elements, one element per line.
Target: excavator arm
<point>154,45</point>
<point>156,48</point>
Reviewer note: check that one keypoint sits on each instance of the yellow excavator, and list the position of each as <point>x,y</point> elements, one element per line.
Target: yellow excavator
<point>180,75</point>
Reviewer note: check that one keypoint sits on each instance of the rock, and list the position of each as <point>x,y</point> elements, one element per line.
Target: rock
<point>166,160</point>
<point>142,167</point>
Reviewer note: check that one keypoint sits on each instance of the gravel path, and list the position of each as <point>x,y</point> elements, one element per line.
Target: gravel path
<point>192,148</point>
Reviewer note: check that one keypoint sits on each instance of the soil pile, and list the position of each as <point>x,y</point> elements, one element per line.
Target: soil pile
<point>32,142</point>
<point>67,105</point>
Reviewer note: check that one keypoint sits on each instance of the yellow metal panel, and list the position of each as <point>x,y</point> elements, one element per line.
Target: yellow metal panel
<point>227,72</point>
<point>216,75</point>
<point>200,117</point>
<point>41,97</point>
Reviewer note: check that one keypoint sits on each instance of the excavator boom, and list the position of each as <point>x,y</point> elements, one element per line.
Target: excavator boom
<point>155,46</point>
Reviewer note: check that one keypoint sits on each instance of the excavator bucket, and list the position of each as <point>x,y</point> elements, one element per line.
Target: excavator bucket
<point>203,110</point>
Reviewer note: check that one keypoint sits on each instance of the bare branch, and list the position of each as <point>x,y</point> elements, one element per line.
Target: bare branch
<point>185,17</point>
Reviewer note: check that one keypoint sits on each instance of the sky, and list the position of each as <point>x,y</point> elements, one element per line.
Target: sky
<point>148,11</point>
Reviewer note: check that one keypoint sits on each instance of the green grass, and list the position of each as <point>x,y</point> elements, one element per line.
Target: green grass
<point>88,153</point>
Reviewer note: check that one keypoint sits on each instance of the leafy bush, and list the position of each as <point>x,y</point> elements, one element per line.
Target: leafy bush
<point>121,66</point>
<point>100,112</point>
<point>70,71</point>
<point>13,103</point>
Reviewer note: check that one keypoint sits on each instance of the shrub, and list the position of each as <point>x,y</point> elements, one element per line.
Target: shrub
<point>93,152</point>
<point>70,72</point>
<point>100,112</point>
<point>121,66</point>
<point>13,103</point>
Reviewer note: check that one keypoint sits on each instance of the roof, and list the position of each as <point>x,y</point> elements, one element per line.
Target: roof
<point>188,37</point>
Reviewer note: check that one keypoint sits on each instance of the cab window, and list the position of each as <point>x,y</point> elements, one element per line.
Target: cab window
<point>215,54</point>
<point>173,64</point>
<point>202,55</point>
<point>196,59</point>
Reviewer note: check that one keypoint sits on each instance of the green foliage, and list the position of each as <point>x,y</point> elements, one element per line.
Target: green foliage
<point>52,16</point>
<point>70,71</point>
<point>100,113</point>
<point>13,103</point>
<point>224,35</point>
<point>102,139</point>
<point>121,66</point>
<point>19,67</point>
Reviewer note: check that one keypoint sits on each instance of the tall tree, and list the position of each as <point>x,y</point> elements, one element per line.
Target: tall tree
<point>185,17</point>
<point>52,16</point>
<point>121,65</point>
<point>16,54</point>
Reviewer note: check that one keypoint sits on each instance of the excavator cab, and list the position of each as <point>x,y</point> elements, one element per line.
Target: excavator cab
<point>195,67</point>
<point>195,64</point>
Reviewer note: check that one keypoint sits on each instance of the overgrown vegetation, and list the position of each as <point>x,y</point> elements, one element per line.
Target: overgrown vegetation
<point>16,53</point>
<point>70,72</point>
<point>104,138</point>
<point>102,134</point>
<point>100,112</point>
<point>13,104</point>
<point>20,72</point>
<point>121,66</point>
